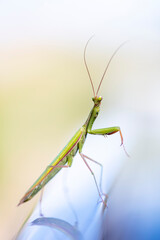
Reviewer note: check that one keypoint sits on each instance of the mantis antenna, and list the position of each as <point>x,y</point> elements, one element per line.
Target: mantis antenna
<point>105,68</point>
<point>85,62</point>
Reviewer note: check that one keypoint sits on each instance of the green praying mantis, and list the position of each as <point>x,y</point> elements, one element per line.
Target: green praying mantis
<point>65,158</point>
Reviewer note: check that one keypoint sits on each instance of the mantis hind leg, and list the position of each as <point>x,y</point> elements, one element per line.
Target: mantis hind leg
<point>98,189</point>
<point>101,166</point>
<point>40,203</point>
<point>53,167</point>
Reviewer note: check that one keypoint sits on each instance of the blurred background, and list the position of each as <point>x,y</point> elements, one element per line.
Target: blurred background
<point>45,96</point>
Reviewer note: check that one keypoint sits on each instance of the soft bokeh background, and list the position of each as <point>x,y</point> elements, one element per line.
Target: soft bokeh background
<point>45,96</point>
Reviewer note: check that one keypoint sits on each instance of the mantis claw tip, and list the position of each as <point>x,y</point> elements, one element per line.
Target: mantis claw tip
<point>125,150</point>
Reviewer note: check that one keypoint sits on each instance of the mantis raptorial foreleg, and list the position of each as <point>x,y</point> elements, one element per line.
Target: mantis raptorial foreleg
<point>107,131</point>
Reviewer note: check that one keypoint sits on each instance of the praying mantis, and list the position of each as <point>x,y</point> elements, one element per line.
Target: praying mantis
<point>65,158</point>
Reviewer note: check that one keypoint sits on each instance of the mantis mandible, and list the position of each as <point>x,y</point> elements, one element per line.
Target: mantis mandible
<point>65,158</point>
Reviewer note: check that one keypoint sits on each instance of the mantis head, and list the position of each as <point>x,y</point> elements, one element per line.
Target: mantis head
<point>97,100</point>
